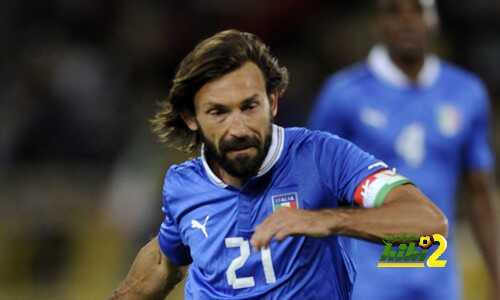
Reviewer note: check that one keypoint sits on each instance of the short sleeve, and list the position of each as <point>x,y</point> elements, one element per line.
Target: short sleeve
<point>343,166</point>
<point>170,239</point>
<point>354,176</point>
<point>331,113</point>
<point>478,153</point>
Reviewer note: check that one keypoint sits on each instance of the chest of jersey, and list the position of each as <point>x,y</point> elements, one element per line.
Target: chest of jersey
<point>218,231</point>
<point>411,130</point>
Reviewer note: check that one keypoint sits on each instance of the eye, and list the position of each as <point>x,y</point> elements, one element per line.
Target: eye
<point>216,112</point>
<point>250,105</point>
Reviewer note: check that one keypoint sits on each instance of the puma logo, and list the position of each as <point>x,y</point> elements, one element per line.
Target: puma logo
<point>203,227</point>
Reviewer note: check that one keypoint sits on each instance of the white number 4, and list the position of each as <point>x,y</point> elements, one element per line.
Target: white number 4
<point>237,263</point>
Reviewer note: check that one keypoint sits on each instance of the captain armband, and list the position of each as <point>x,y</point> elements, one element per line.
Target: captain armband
<point>372,191</point>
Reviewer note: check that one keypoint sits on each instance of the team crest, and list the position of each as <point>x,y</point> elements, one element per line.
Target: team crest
<point>449,119</point>
<point>373,117</point>
<point>285,200</point>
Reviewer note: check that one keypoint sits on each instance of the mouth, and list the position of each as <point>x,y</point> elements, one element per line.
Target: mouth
<point>240,151</point>
<point>408,35</point>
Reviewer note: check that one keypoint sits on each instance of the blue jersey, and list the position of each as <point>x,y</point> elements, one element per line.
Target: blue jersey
<point>430,132</point>
<point>208,224</point>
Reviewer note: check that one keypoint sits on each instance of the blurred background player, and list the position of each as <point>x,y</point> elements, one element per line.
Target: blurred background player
<point>428,118</point>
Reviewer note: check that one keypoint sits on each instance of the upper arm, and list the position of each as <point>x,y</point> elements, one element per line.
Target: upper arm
<point>406,192</point>
<point>151,276</point>
<point>353,175</point>
<point>479,181</point>
<point>171,243</point>
<point>409,198</point>
<point>477,149</point>
<point>169,236</point>
<point>480,188</point>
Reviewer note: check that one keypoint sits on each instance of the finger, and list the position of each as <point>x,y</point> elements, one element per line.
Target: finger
<point>265,231</point>
<point>269,221</point>
<point>260,239</point>
<point>287,230</point>
<point>263,235</point>
<point>282,234</point>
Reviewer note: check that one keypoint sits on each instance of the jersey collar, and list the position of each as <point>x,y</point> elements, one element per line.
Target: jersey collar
<point>272,156</point>
<point>380,63</point>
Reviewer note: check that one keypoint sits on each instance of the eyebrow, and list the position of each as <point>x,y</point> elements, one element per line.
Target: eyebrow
<point>211,104</point>
<point>249,99</point>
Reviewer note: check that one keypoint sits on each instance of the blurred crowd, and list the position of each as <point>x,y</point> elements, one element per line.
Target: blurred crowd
<point>80,172</point>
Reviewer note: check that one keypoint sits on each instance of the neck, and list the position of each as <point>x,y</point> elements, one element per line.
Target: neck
<point>410,67</point>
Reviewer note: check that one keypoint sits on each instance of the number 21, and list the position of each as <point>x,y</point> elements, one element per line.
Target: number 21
<point>237,263</point>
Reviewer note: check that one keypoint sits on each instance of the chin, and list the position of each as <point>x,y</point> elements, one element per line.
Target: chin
<point>243,166</point>
<point>410,52</point>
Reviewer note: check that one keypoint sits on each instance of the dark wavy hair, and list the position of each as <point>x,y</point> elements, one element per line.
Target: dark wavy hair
<point>214,57</point>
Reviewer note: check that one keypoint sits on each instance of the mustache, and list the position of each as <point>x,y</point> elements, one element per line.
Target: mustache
<point>239,143</point>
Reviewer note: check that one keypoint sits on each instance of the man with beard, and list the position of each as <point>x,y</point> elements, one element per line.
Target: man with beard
<point>261,214</point>
<point>427,118</point>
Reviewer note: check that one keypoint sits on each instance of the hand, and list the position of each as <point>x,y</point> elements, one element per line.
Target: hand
<point>150,277</point>
<point>291,221</point>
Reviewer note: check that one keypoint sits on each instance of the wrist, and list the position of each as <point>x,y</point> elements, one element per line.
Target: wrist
<point>333,220</point>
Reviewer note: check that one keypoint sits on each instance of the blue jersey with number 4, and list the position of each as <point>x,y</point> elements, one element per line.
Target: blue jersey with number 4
<point>209,224</point>
<point>431,132</point>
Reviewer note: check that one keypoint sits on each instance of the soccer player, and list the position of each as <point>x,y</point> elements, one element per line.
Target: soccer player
<point>429,119</point>
<point>261,213</point>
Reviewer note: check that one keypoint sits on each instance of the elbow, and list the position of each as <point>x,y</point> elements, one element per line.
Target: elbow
<point>439,223</point>
<point>442,225</point>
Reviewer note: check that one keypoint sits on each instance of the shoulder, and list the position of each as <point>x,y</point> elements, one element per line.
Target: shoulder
<point>302,140</point>
<point>178,176</point>
<point>463,79</point>
<point>341,88</point>
<point>348,79</point>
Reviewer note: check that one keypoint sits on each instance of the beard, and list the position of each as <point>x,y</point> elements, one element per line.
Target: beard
<point>242,166</point>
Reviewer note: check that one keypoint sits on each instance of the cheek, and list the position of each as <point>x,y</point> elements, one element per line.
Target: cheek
<point>264,125</point>
<point>215,140</point>
<point>209,133</point>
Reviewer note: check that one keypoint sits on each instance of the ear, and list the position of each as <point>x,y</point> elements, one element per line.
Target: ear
<point>274,103</point>
<point>190,120</point>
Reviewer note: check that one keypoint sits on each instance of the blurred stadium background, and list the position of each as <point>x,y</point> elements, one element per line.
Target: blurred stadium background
<point>80,172</point>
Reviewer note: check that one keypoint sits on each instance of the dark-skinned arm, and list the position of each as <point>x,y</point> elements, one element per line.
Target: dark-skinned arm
<point>483,217</point>
<point>405,210</point>
<point>151,277</point>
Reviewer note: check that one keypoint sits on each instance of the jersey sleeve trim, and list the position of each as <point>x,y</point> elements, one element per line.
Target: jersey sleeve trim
<point>179,258</point>
<point>371,192</point>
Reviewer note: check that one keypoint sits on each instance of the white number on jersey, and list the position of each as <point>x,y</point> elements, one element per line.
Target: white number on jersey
<point>238,262</point>
<point>410,144</point>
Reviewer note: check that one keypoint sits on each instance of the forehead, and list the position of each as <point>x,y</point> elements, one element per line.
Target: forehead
<point>389,5</point>
<point>237,85</point>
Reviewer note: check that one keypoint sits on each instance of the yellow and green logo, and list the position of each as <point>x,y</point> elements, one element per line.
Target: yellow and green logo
<point>401,251</point>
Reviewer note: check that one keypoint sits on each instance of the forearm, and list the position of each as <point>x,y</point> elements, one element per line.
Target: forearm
<point>397,217</point>
<point>484,223</point>
<point>483,215</point>
<point>405,211</point>
<point>131,289</point>
<point>152,276</point>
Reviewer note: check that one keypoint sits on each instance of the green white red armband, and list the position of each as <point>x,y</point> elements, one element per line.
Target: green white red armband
<point>372,191</point>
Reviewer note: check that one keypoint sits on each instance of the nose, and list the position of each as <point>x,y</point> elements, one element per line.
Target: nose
<point>237,126</point>
<point>408,16</point>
